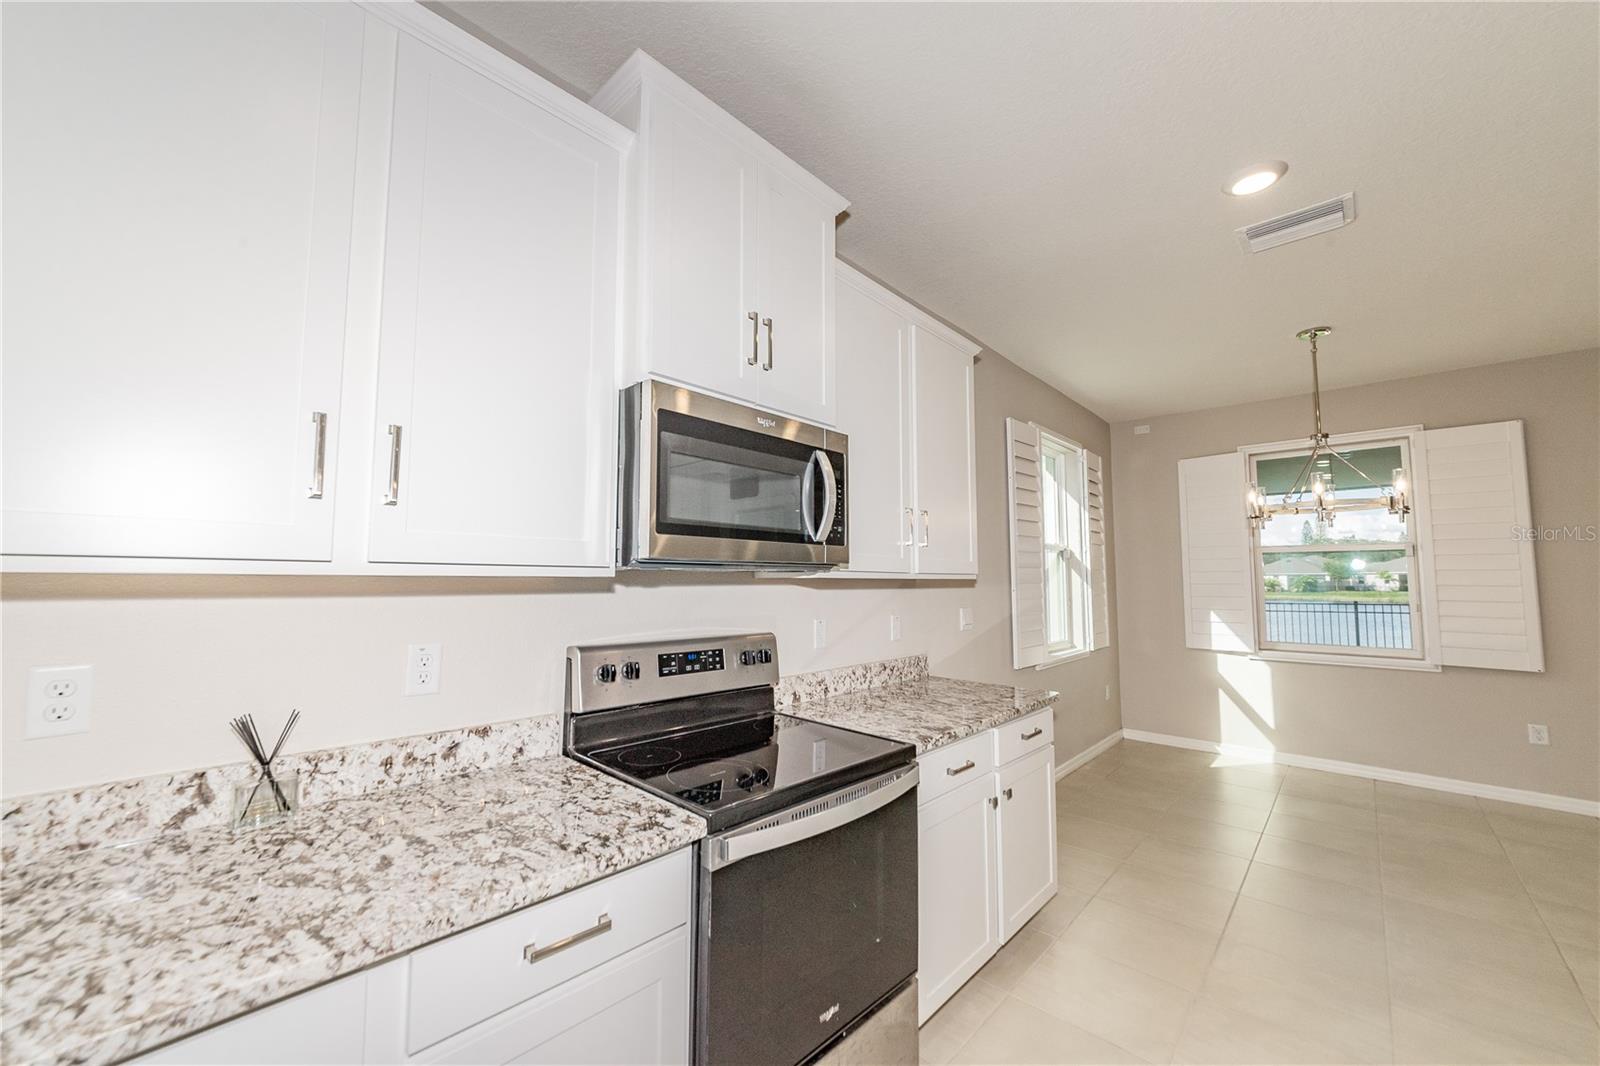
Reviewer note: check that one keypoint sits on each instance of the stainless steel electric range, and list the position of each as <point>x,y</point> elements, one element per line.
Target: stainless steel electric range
<point>807,894</point>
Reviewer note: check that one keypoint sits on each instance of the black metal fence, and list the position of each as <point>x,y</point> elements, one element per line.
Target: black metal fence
<point>1344,624</point>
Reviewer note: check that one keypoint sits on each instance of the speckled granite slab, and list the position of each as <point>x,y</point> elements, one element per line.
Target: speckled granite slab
<point>929,712</point>
<point>124,811</point>
<point>842,679</point>
<point>110,951</point>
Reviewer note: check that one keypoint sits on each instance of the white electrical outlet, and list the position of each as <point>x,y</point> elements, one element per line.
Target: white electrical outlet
<point>819,633</point>
<point>59,698</point>
<point>894,627</point>
<point>1538,734</point>
<point>1108,692</point>
<point>966,618</point>
<point>423,662</point>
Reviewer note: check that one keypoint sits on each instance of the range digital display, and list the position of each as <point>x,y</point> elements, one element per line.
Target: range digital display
<point>688,662</point>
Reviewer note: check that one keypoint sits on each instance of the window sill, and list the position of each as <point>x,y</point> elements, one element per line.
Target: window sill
<point>1378,661</point>
<point>1064,657</point>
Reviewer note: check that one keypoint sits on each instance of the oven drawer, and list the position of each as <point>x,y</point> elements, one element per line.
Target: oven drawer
<point>471,976</point>
<point>952,766</point>
<point>1024,736</point>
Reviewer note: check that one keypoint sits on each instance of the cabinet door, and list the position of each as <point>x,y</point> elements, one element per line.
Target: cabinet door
<point>324,1025</point>
<point>958,917</point>
<point>873,411</point>
<point>700,279</point>
<point>178,184</point>
<point>1027,838</point>
<point>946,489</point>
<point>634,1009</point>
<point>794,289</point>
<point>497,349</point>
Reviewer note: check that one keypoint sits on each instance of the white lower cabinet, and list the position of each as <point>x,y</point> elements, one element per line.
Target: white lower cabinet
<point>601,974</point>
<point>986,851</point>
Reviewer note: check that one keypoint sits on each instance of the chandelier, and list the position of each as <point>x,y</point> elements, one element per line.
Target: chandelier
<point>1316,495</point>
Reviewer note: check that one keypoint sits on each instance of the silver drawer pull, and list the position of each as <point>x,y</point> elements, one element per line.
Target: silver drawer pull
<point>963,768</point>
<point>533,952</point>
<point>1035,732</point>
<point>1008,793</point>
<point>755,337</point>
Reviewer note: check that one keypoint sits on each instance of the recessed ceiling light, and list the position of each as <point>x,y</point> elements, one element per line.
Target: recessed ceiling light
<point>1254,179</point>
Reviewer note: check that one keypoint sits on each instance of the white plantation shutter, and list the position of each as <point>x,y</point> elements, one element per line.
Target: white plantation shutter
<point>1027,544</point>
<point>1218,572</point>
<point>1099,606</point>
<point>1483,591</point>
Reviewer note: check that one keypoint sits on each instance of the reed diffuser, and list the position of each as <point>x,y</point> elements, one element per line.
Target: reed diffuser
<point>271,797</point>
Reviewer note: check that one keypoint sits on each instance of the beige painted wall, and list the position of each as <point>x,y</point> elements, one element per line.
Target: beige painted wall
<point>175,657</point>
<point>1461,723</point>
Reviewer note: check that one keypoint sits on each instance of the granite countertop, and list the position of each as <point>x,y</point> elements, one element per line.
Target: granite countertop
<point>111,951</point>
<point>928,711</point>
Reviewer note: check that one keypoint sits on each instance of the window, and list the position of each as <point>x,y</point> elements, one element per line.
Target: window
<point>1345,585</point>
<point>1058,554</point>
<point>1066,534</point>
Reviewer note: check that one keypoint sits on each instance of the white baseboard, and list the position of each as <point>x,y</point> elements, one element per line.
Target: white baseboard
<point>1525,797</point>
<point>1088,753</point>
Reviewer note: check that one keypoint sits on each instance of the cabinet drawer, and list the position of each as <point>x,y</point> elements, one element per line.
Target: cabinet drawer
<point>1024,736</point>
<point>473,975</point>
<point>953,766</point>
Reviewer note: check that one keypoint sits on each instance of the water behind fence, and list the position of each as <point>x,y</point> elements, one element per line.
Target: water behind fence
<point>1344,624</point>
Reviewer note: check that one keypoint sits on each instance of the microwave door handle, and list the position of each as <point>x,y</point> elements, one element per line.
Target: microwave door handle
<point>830,488</point>
<point>808,484</point>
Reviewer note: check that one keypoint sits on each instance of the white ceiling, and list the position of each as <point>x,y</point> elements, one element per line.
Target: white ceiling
<point>1047,176</point>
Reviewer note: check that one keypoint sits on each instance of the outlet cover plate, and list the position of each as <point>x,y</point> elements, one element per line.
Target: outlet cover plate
<point>59,700</point>
<point>423,662</point>
<point>1538,734</point>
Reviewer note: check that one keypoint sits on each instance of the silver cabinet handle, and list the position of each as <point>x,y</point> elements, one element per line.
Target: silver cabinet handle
<point>994,801</point>
<point>963,768</point>
<point>911,529</point>
<point>1008,793</point>
<point>533,952</point>
<point>392,497</point>
<point>768,323</point>
<point>319,454</point>
<point>927,530</point>
<point>755,338</point>
<point>1030,734</point>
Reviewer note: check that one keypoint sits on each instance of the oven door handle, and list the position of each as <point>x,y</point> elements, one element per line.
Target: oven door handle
<point>811,819</point>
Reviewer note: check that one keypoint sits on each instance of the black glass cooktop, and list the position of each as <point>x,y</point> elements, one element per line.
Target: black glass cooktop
<point>743,769</point>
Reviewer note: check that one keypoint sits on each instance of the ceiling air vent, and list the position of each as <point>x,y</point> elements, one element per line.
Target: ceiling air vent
<point>1306,222</point>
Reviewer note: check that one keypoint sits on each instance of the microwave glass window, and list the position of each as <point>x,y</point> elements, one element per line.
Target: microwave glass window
<point>712,483</point>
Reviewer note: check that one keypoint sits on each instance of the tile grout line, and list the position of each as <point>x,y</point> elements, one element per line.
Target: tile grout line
<point>1543,922</point>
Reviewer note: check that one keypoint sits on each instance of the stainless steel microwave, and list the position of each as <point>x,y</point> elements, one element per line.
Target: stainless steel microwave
<point>709,483</point>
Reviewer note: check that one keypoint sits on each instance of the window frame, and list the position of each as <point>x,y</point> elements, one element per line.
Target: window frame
<point>1072,520</point>
<point>1418,656</point>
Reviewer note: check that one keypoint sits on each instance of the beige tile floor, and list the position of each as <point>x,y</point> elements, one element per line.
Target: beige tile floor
<point>1263,914</point>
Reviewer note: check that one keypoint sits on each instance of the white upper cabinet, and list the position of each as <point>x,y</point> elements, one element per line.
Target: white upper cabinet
<point>906,403</point>
<point>946,463</point>
<point>496,429</point>
<point>875,412</point>
<point>732,251</point>
<point>178,183</point>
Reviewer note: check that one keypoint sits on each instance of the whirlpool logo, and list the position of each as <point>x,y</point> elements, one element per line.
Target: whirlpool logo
<point>770,423</point>
<point>827,1015</point>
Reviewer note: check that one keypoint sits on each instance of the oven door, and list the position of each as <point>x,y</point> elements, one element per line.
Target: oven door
<point>807,919</point>
<point>717,483</point>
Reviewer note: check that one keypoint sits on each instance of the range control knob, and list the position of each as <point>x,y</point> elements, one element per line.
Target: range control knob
<point>764,655</point>
<point>605,673</point>
<point>630,671</point>
<point>748,658</point>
